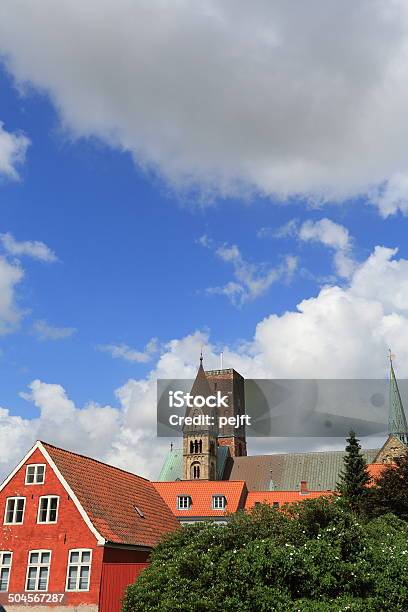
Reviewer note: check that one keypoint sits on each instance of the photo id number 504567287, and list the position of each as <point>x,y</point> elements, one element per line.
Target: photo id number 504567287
<point>27,599</point>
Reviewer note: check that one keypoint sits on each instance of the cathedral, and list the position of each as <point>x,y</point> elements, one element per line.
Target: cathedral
<point>213,453</point>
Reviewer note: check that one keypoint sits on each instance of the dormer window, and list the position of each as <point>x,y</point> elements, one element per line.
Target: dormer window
<point>183,502</point>
<point>219,502</point>
<point>35,474</point>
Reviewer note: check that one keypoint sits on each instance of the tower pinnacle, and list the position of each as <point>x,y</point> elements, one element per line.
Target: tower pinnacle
<point>397,422</point>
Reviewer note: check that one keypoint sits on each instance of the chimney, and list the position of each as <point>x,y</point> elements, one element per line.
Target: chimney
<point>303,487</point>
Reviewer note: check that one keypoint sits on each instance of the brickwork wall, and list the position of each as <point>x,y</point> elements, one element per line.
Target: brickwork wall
<point>69,532</point>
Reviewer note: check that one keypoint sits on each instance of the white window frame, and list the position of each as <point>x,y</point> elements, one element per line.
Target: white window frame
<point>13,522</point>
<point>47,522</point>
<point>5,566</point>
<point>181,506</point>
<point>35,466</point>
<point>79,565</point>
<point>38,566</point>
<point>215,502</point>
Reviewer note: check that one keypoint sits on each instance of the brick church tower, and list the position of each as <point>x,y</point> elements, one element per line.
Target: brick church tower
<point>232,384</point>
<point>200,441</point>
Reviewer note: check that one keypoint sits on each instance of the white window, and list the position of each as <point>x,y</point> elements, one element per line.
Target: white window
<point>14,514</point>
<point>79,570</point>
<point>183,502</point>
<point>35,474</point>
<point>48,509</point>
<point>5,569</point>
<point>38,570</point>
<point>219,502</point>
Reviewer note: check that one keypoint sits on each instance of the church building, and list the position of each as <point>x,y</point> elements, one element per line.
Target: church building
<point>209,453</point>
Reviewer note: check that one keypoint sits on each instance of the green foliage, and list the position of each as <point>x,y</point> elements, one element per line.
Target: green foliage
<point>317,556</point>
<point>390,491</point>
<point>354,478</point>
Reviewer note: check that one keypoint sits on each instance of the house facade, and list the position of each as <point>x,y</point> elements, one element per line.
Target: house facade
<point>75,532</point>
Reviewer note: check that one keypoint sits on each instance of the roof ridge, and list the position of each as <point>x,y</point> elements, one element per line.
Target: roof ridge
<point>277,491</point>
<point>113,467</point>
<point>363,450</point>
<point>195,480</point>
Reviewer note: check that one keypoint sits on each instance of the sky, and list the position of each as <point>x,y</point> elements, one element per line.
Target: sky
<point>176,176</point>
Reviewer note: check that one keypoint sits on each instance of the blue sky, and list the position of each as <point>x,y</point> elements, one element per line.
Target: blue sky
<point>119,191</point>
<point>130,267</point>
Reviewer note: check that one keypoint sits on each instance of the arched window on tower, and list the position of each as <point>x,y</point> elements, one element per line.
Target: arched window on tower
<point>195,470</point>
<point>200,446</point>
<point>191,447</point>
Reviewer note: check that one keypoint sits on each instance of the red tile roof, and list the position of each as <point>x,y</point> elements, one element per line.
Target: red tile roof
<point>201,492</point>
<point>280,497</point>
<point>109,496</point>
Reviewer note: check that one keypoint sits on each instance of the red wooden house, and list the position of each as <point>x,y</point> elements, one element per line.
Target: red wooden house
<point>75,532</point>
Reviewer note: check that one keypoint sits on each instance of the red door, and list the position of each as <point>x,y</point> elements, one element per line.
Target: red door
<point>115,578</point>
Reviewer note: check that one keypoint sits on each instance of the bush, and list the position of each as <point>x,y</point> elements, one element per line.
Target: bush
<point>316,556</point>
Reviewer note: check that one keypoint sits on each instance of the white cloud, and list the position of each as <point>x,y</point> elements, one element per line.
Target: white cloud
<point>10,275</point>
<point>327,232</point>
<point>31,248</point>
<point>251,280</point>
<point>342,332</point>
<point>332,235</point>
<point>13,147</point>
<point>393,195</point>
<point>123,351</point>
<point>276,97</point>
<point>287,230</point>
<point>44,331</point>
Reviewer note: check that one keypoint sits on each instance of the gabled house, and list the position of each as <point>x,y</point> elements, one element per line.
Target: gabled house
<point>75,531</point>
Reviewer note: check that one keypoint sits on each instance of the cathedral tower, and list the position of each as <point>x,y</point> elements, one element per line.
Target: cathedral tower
<point>397,441</point>
<point>200,440</point>
<point>232,384</point>
<point>397,422</point>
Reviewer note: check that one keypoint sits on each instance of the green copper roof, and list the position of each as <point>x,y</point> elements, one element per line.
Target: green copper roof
<point>173,464</point>
<point>397,422</point>
<point>279,472</point>
<point>284,472</point>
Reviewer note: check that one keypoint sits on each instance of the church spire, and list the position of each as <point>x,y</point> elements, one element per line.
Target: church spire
<point>397,422</point>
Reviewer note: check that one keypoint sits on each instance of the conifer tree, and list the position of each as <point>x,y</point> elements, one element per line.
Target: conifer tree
<point>354,478</point>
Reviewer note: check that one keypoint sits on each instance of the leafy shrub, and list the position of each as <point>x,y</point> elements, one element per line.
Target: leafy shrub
<point>317,556</point>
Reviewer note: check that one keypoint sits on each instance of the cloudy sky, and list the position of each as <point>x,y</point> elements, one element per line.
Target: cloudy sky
<point>178,174</point>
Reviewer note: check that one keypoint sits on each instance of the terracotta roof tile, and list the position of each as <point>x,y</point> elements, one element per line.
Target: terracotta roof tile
<point>109,496</point>
<point>280,497</point>
<point>201,492</point>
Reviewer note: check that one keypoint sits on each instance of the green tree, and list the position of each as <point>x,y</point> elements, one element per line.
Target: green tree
<point>390,490</point>
<point>354,477</point>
